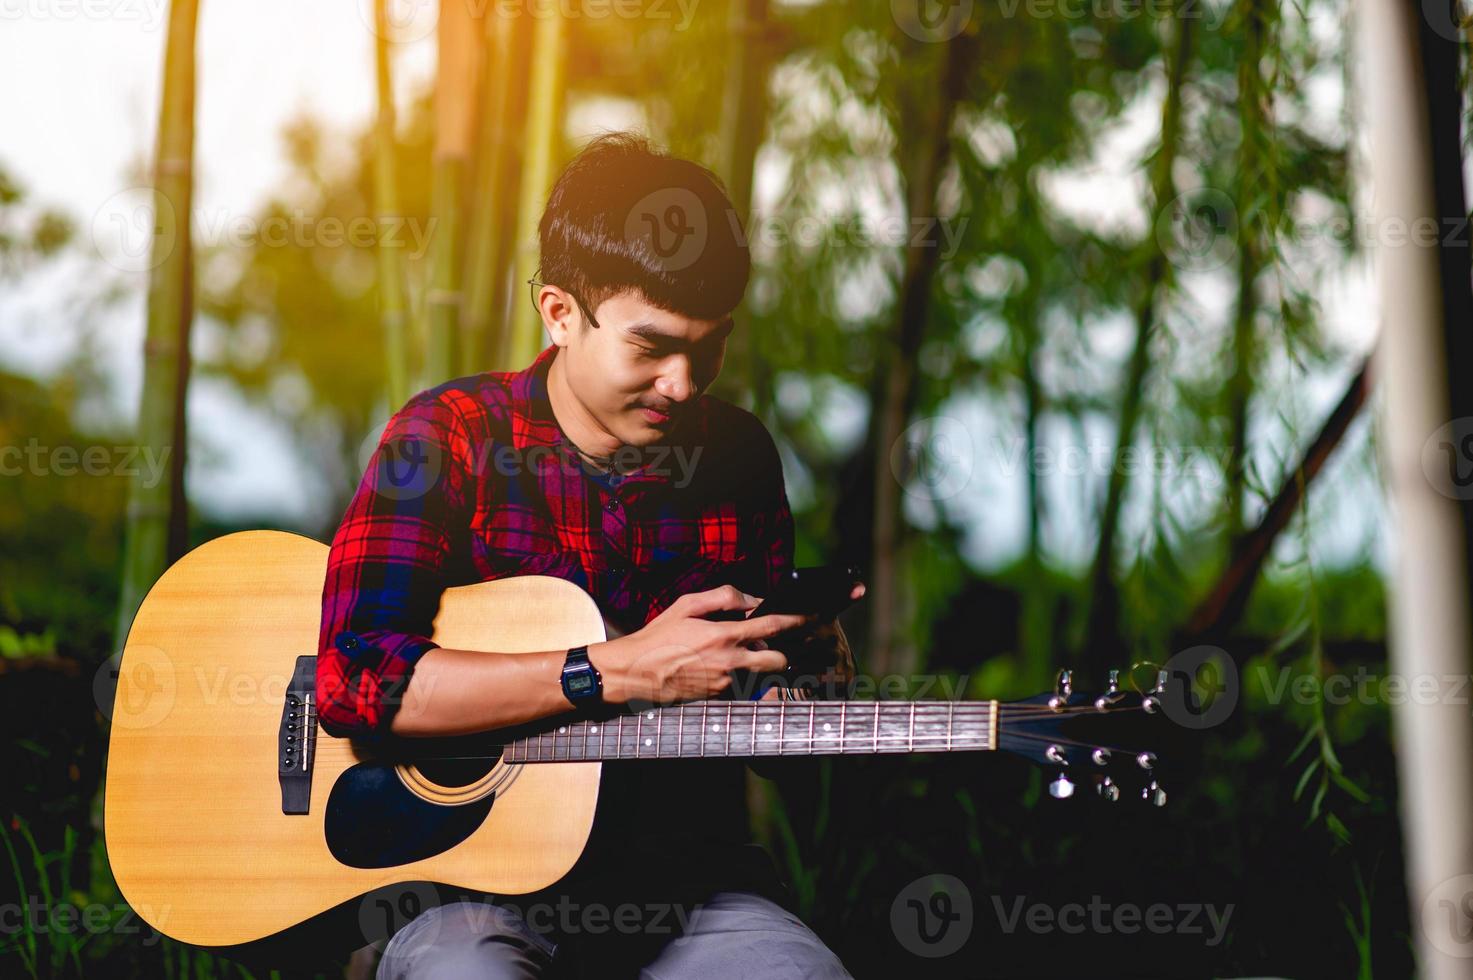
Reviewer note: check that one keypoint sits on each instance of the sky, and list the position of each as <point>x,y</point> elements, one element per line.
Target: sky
<point>81,79</point>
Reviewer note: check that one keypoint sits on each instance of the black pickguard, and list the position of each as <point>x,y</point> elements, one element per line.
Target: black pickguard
<point>374,821</point>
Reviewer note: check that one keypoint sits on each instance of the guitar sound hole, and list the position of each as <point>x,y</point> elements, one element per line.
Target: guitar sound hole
<point>454,772</point>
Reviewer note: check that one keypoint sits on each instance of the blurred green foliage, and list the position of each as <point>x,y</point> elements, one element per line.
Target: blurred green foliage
<point>1286,812</point>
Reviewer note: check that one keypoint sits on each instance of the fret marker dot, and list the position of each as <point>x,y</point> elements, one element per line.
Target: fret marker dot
<point>715,728</point>
<point>563,729</point>
<point>593,730</point>
<point>649,714</point>
<point>826,726</point>
<point>767,727</point>
<point>649,741</point>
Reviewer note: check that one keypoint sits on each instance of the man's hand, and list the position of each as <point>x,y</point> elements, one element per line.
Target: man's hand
<point>682,656</point>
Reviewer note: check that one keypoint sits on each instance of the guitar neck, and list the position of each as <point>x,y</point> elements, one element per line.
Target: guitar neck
<point>715,729</point>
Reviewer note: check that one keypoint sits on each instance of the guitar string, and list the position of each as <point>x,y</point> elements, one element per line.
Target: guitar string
<point>970,711</point>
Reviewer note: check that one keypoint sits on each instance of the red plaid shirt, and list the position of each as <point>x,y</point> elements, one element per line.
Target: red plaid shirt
<point>474,480</point>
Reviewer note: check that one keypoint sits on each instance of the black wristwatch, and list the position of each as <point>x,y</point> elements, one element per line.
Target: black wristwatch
<point>583,685</point>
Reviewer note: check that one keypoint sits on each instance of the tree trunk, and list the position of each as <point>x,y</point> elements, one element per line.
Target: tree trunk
<point>393,311</point>
<point>157,530</point>
<point>896,375</point>
<point>1101,644</point>
<point>543,147</point>
<point>455,86</point>
<point>1412,93</point>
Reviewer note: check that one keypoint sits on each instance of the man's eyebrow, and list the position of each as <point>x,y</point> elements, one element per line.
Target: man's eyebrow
<point>652,333</point>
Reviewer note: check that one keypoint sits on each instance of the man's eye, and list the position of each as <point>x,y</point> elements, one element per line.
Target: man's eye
<point>647,352</point>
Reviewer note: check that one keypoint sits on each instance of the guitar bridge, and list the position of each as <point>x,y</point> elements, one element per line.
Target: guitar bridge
<point>296,739</point>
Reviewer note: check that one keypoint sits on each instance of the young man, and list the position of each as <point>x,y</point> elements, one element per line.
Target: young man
<point>606,464</point>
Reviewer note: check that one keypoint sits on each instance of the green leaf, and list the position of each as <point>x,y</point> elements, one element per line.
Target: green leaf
<point>1304,779</point>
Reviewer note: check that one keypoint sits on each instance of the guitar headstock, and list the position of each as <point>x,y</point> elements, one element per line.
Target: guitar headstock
<point>1105,739</point>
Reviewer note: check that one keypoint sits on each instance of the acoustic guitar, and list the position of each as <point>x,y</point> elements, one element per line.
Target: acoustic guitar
<point>231,818</point>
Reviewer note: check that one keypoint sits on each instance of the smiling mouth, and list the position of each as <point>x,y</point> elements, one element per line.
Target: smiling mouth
<point>655,415</point>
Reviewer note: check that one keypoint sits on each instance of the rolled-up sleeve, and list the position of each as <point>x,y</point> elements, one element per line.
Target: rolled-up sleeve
<point>388,565</point>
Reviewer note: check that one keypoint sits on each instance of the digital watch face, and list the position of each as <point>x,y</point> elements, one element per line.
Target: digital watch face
<point>580,683</point>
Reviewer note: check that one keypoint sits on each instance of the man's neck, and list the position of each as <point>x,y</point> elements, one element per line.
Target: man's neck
<point>577,423</point>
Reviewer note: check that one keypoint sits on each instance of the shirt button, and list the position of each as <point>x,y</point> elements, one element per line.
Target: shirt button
<point>613,504</point>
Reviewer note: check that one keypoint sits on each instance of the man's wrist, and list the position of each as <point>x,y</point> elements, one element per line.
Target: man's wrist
<point>607,657</point>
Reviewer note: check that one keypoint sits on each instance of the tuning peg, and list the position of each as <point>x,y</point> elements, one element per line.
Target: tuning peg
<point>1063,687</point>
<point>1061,788</point>
<point>1055,754</point>
<point>1108,790</point>
<point>1154,794</point>
<point>1101,757</point>
<point>1112,693</point>
<point>1152,701</point>
<point>1146,760</point>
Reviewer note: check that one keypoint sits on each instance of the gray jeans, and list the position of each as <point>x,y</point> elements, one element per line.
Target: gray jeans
<point>732,934</point>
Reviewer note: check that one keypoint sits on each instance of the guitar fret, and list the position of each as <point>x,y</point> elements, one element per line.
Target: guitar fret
<point>728,728</point>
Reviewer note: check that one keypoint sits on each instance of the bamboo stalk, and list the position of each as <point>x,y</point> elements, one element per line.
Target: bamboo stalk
<point>393,311</point>
<point>1414,107</point>
<point>455,85</point>
<point>156,531</point>
<point>543,146</point>
<point>488,245</point>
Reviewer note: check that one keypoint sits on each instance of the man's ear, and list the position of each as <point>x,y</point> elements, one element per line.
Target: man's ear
<point>559,313</point>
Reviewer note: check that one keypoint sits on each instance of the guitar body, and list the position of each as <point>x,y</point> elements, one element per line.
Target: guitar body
<point>195,829</point>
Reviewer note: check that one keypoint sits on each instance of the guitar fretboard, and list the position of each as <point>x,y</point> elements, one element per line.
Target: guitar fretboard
<point>717,729</point>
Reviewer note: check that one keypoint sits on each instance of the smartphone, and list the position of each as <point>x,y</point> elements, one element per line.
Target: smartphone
<point>822,590</point>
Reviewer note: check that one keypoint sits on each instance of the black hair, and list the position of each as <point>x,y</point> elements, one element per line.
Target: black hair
<point>624,215</point>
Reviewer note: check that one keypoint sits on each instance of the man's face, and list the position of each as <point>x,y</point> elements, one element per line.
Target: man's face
<point>642,368</point>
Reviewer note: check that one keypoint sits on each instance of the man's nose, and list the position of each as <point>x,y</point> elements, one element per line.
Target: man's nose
<point>675,384</point>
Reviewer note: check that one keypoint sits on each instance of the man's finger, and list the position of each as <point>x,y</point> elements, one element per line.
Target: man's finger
<point>718,599</point>
<point>763,661</point>
<point>762,627</point>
